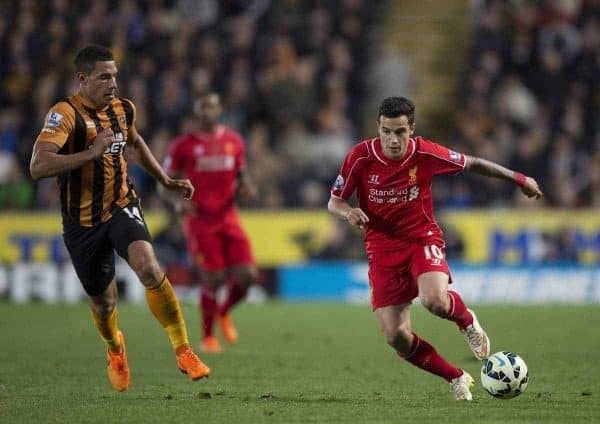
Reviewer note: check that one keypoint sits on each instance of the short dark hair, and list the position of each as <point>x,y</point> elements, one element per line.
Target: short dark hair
<point>392,107</point>
<point>86,58</point>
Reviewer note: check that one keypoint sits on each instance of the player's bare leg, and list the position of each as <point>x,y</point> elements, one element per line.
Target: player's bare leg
<point>243,276</point>
<point>435,297</point>
<point>208,309</point>
<point>396,327</point>
<point>163,303</point>
<point>104,314</point>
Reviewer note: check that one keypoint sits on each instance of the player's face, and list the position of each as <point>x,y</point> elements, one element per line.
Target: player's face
<point>394,134</point>
<point>208,109</point>
<point>100,85</point>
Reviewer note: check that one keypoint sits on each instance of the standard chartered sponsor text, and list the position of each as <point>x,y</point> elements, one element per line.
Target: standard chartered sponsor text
<point>393,195</point>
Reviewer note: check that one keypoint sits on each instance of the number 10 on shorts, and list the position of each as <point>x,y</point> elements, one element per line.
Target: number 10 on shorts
<point>433,254</point>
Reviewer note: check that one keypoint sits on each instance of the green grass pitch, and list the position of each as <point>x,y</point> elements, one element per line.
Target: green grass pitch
<point>299,363</point>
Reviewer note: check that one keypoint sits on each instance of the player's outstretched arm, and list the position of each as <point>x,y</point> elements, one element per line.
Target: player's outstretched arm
<point>528,185</point>
<point>355,216</point>
<point>152,167</point>
<point>46,162</point>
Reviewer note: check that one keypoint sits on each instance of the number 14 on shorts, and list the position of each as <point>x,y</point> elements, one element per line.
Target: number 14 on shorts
<point>134,213</point>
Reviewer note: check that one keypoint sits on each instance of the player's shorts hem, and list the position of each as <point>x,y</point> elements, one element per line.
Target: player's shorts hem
<point>248,263</point>
<point>97,289</point>
<point>443,271</point>
<point>390,303</point>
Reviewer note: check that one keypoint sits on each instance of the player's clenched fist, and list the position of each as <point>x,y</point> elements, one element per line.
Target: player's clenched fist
<point>102,141</point>
<point>531,188</point>
<point>184,186</point>
<point>356,217</point>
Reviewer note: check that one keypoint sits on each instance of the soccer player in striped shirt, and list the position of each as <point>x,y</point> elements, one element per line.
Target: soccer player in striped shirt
<point>83,143</point>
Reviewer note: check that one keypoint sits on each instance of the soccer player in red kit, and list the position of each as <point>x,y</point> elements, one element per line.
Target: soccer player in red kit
<point>391,175</point>
<point>213,160</point>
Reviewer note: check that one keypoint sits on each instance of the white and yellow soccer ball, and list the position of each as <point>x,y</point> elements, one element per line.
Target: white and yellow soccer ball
<point>504,375</point>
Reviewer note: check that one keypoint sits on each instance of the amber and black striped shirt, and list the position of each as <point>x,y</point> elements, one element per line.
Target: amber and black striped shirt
<point>91,194</point>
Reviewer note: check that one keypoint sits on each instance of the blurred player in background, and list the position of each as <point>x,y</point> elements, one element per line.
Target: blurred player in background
<point>213,159</point>
<point>83,143</point>
<point>392,177</point>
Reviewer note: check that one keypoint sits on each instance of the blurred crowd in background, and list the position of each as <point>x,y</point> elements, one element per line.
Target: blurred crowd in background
<point>292,76</point>
<point>531,100</point>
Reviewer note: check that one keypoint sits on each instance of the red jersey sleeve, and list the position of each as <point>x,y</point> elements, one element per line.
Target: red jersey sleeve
<point>441,160</point>
<point>173,163</point>
<point>346,181</point>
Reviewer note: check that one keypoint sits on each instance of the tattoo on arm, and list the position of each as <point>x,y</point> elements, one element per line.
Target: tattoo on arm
<point>488,168</point>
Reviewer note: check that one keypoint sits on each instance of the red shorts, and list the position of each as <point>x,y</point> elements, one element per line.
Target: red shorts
<point>218,246</point>
<point>393,274</point>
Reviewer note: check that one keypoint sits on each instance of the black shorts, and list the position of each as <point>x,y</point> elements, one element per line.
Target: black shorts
<point>92,248</point>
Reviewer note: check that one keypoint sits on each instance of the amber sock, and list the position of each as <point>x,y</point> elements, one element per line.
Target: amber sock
<point>108,329</point>
<point>163,303</point>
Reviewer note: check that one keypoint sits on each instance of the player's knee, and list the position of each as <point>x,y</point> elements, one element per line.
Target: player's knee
<point>214,279</point>
<point>150,274</point>
<point>246,279</point>
<point>103,308</point>
<point>146,268</point>
<point>435,305</point>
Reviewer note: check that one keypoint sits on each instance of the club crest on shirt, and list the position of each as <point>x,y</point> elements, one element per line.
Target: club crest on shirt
<point>412,175</point>
<point>54,119</point>
<point>455,156</point>
<point>373,178</point>
<point>339,183</point>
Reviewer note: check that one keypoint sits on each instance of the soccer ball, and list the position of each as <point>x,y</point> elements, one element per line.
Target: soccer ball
<point>504,375</point>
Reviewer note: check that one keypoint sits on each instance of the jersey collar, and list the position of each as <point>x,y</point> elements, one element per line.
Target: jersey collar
<point>217,133</point>
<point>87,104</point>
<point>376,147</point>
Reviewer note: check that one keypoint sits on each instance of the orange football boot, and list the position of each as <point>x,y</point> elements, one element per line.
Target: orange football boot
<point>210,344</point>
<point>118,369</point>
<point>189,363</point>
<point>230,334</point>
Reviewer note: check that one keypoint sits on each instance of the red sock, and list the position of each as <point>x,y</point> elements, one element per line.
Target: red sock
<point>424,356</point>
<point>235,294</point>
<point>458,311</point>
<point>208,308</point>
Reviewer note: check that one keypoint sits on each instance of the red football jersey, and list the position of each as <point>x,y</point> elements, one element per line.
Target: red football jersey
<point>396,194</point>
<point>212,163</point>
